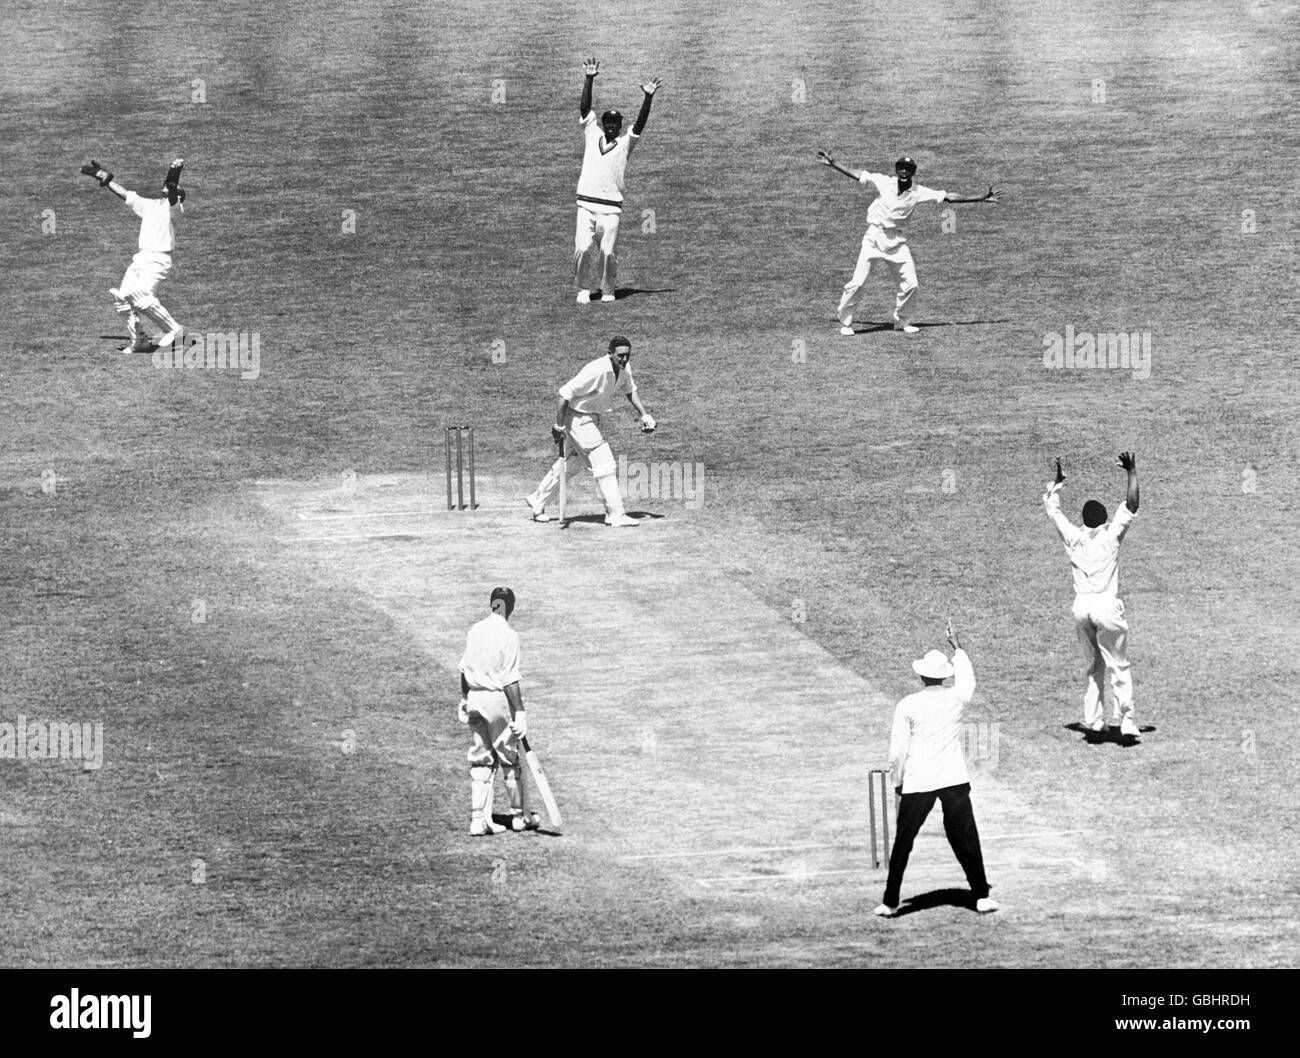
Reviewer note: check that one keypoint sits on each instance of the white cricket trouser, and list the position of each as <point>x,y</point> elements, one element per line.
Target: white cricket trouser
<point>1103,639</point>
<point>146,270</point>
<point>582,438</point>
<point>888,245</point>
<point>595,266</point>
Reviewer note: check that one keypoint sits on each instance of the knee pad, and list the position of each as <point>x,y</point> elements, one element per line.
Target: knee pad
<point>480,773</point>
<point>143,302</point>
<point>602,460</point>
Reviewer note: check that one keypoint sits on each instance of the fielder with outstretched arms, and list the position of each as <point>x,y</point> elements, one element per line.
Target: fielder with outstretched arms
<point>600,187</point>
<point>135,295</point>
<point>587,396</point>
<point>493,706</point>
<point>1098,610</point>
<point>884,241</point>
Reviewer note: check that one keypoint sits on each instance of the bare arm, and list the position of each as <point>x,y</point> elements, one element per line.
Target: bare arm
<point>649,88</point>
<point>590,69</point>
<point>828,160</point>
<point>1128,460</point>
<point>993,195</point>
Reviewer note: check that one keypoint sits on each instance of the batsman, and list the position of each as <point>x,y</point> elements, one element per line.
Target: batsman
<point>135,296</point>
<point>492,705</point>
<point>584,399</point>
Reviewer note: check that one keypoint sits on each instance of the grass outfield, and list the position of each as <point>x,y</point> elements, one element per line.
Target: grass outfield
<point>284,782</point>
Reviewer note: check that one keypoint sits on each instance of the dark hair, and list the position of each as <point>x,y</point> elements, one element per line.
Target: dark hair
<point>618,340</point>
<point>1094,514</point>
<point>506,596</point>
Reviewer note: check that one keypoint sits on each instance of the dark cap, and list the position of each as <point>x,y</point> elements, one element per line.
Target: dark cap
<point>1094,514</point>
<point>905,163</point>
<point>506,596</point>
<point>611,115</point>
<point>618,340</point>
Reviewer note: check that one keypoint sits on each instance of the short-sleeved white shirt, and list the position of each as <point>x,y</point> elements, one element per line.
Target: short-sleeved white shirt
<point>594,389</point>
<point>491,658</point>
<point>889,209</point>
<point>1094,553</point>
<point>604,167</point>
<point>157,221</point>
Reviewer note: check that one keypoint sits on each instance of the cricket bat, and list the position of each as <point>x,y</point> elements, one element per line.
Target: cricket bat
<point>564,474</point>
<point>543,787</point>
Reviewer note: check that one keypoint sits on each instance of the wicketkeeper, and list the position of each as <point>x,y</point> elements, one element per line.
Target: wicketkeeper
<point>134,297</point>
<point>492,705</point>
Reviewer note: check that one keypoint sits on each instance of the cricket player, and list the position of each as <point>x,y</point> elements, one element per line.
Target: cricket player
<point>135,295</point>
<point>925,757</point>
<point>600,187</point>
<point>897,196</point>
<point>583,400</point>
<point>1098,610</point>
<point>492,705</point>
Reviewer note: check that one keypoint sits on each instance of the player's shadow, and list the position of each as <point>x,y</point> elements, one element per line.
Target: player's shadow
<point>1109,735</point>
<point>599,519</point>
<point>505,822</point>
<point>962,898</point>
<point>629,292</point>
<point>873,327</point>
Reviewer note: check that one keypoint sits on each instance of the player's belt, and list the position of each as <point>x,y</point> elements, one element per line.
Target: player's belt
<point>599,201</point>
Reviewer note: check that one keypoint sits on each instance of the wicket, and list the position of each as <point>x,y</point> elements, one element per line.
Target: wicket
<point>461,434</point>
<point>884,774</point>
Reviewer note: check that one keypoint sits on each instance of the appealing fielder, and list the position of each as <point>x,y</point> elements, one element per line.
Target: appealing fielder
<point>492,704</point>
<point>926,759</point>
<point>600,187</point>
<point>884,241</point>
<point>134,296</point>
<point>1098,610</point>
<point>583,400</point>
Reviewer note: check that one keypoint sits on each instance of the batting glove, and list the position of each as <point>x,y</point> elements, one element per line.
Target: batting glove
<point>462,711</point>
<point>519,725</point>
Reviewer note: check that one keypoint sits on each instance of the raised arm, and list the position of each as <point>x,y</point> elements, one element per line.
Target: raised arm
<point>97,172</point>
<point>993,195</point>
<point>590,69</point>
<point>1052,504</point>
<point>1128,461</point>
<point>649,88</point>
<point>828,160</point>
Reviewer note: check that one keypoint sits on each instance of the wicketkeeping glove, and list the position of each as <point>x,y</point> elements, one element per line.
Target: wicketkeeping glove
<point>648,423</point>
<point>98,172</point>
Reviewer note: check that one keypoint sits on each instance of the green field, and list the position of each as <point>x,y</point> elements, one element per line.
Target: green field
<point>252,582</point>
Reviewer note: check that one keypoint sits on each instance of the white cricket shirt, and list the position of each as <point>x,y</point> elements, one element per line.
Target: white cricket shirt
<point>157,230</point>
<point>594,389</point>
<point>603,167</point>
<point>491,659</point>
<point>925,743</point>
<point>1094,553</point>
<point>889,209</point>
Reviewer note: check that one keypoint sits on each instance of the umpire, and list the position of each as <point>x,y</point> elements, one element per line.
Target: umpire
<point>926,759</point>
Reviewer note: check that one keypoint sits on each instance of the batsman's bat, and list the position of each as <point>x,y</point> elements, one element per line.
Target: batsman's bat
<point>564,475</point>
<point>543,787</point>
